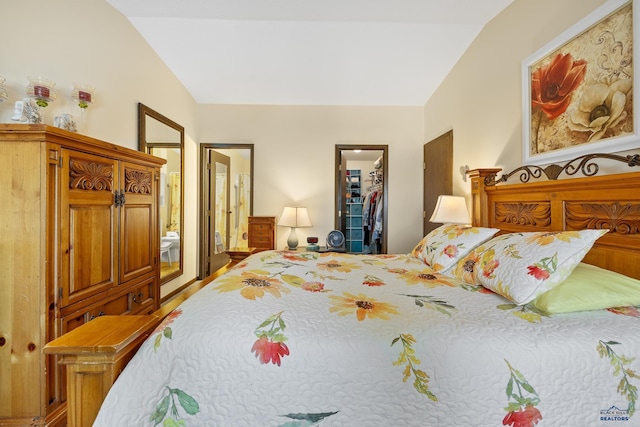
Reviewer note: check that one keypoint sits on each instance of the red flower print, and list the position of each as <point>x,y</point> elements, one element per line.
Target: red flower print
<point>169,319</point>
<point>537,272</point>
<point>373,283</point>
<point>490,267</point>
<point>527,417</point>
<point>269,351</point>
<point>451,251</point>
<point>313,286</point>
<point>292,256</point>
<point>270,346</point>
<point>370,280</point>
<point>626,311</point>
<point>553,84</point>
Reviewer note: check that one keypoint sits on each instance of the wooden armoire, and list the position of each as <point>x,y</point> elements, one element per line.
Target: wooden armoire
<point>79,238</point>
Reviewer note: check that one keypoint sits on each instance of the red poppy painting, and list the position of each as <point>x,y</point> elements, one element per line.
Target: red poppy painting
<point>578,95</point>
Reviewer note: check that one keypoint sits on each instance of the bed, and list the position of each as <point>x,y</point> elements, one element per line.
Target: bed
<point>476,326</point>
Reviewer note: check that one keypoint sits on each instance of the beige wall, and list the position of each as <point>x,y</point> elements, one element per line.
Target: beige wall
<point>295,156</point>
<point>481,98</point>
<point>88,41</point>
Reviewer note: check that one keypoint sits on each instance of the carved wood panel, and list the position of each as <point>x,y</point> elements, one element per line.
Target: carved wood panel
<point>137,181</point>
<point>89,175</point>
<point>529,214</point>
<point>619,218</point>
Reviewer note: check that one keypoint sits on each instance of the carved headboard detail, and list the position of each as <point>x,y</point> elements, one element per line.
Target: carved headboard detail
<point>583,164</point>
<point>595,202</point>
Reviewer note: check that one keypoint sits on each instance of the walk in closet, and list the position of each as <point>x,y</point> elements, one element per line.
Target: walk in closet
<point>361,198</point>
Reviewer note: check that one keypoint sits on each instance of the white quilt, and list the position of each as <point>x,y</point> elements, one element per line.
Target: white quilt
<point>301,339</point>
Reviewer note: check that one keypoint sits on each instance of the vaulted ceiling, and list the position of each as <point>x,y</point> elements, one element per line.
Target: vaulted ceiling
<point>303,52</point>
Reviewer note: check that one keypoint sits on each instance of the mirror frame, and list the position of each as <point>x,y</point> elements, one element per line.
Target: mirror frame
<point>147,147</point>
<point>340,186</point>
<point>202,161</point>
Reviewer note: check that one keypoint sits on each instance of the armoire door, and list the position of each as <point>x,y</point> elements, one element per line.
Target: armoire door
<point>137,221</point>
<point>88,225</point>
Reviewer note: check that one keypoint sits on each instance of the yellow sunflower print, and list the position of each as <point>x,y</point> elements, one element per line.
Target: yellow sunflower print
<point>427,278</point>
<point>543,239</point>
<point>362,305</point>
<point>454,231</point>
<point>252,285</point>
<point>334,265</point>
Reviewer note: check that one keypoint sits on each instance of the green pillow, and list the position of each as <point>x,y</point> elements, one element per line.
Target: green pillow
<point>590,288</point>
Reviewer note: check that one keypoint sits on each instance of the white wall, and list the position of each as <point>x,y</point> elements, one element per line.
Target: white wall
<point>295,155</point>
<point>481,98</point>
<point>88,41</point>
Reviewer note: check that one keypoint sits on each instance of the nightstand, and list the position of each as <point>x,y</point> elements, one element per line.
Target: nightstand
<point>239,254</point>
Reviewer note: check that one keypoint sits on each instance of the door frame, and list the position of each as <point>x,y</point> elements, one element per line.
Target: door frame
<point>203,156</point>
<point>340,180</point>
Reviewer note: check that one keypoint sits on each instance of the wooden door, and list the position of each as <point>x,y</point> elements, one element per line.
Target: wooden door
<point>88,225</point>
<point>216,211</point>
<point>139,247</point>
<point>438,175</point>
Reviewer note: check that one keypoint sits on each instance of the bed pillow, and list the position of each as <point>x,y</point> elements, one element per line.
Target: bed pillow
<point>444,246</point>
<point>522,266</point>
<point>590,288</point>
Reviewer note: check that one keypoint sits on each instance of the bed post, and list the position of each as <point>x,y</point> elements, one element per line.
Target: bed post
<point>479,206</point>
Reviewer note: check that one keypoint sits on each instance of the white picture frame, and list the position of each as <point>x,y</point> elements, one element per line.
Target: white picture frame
<point>600,51</point>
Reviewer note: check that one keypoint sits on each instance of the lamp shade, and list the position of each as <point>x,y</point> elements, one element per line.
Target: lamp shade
<point>451,210</point>
<point>294,217</point>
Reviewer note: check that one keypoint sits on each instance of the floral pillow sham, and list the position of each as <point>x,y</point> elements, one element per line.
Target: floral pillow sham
<point>522,266</point>
<point>444,246</point>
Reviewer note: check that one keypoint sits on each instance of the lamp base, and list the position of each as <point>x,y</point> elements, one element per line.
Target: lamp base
<point>292,241</point>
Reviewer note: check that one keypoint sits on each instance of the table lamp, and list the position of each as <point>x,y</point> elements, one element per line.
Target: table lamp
<point>294,217</point>
<point>451,210</point>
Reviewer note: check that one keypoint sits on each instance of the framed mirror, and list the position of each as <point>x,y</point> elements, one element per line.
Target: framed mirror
<point>225,202</point>
<point>162,137</point>
<point>361,197</point>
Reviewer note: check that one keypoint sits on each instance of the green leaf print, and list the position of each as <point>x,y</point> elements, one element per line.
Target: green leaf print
<point>407,355</point>
<point>306,419</point>
<point>518,400</point>
<point>528,312</point>
<point>620,368</point>
<point>432,303</point>
<point>292,280</point>
<point>168,404</point>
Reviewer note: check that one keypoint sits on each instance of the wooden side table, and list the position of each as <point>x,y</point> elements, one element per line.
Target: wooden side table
<point>239,254</point>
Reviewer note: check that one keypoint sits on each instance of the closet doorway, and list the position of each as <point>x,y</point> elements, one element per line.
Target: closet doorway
<point>361,196</point>
<point>226,202</point>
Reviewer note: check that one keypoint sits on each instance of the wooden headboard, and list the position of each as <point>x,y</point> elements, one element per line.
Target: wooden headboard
<point>596,202</point>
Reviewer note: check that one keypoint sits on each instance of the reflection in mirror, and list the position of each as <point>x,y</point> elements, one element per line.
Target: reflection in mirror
<point>226,200</point>
<point>161,137</point>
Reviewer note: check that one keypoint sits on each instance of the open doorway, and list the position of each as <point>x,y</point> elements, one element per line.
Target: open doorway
<point>361,197</point>
<point>226,202</point>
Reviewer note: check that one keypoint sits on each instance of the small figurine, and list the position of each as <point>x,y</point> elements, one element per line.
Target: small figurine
<point>27,111</point>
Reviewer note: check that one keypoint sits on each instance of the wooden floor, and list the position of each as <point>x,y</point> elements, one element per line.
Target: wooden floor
<point>165,269</point>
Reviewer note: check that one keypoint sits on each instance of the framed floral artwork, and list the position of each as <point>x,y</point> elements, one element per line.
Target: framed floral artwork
<point>579,92</point>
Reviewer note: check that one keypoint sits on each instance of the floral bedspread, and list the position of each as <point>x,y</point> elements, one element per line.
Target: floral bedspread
<point>301,339</point>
